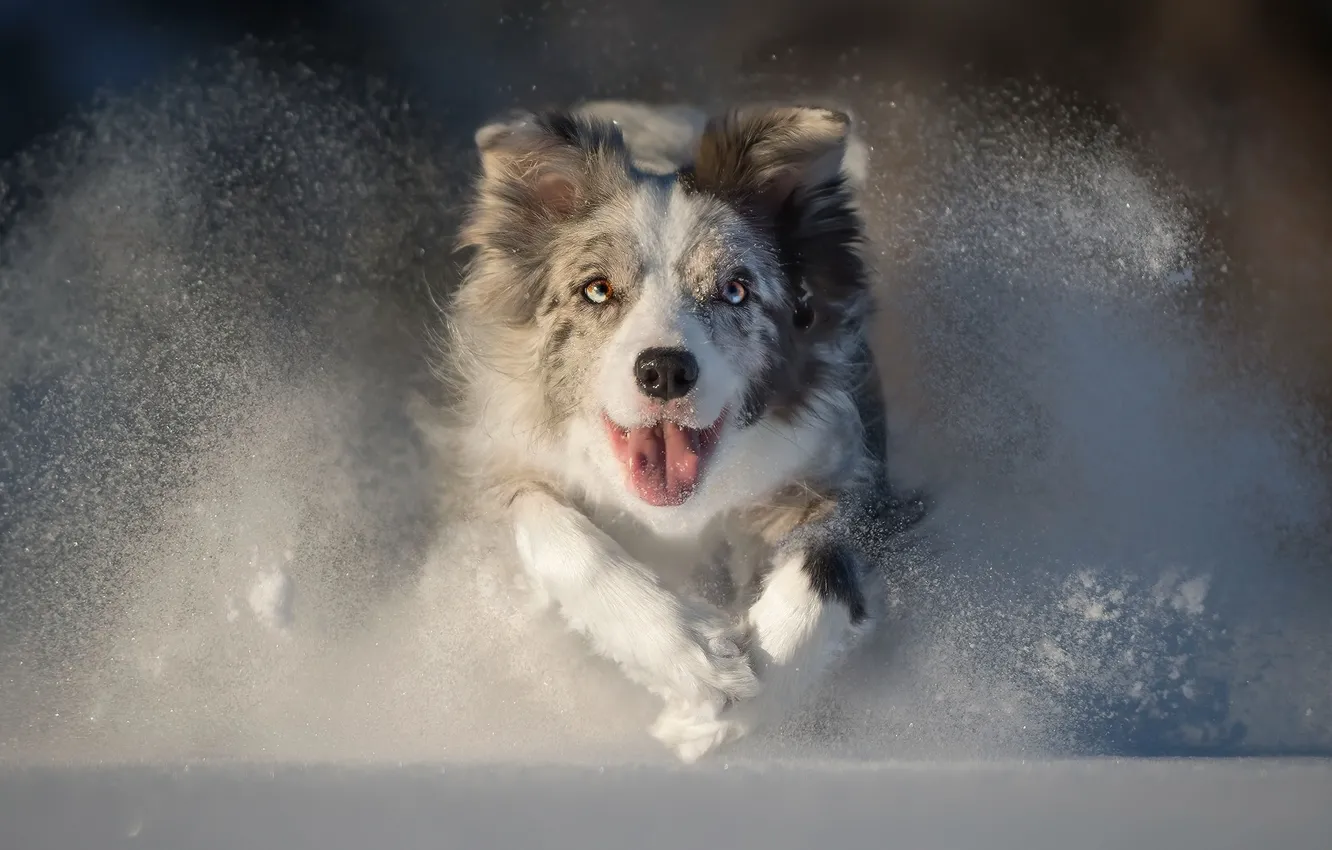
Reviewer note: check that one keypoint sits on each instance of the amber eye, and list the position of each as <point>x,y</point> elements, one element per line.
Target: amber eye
<point>734,292</point>
<point>597,291</point>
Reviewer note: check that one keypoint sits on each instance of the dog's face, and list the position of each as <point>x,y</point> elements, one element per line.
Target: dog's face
<point>668,314</point>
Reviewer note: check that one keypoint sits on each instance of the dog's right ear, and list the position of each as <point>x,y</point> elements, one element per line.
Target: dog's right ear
<point>549,165</point>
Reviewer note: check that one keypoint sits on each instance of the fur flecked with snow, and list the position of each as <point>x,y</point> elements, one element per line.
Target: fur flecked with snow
<point>660,362</point>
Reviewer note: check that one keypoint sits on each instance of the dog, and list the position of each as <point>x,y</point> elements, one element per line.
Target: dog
<point>659,357</point>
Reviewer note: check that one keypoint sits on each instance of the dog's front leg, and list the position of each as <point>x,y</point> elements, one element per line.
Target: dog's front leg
<point>811,609</point>
<point>813,604</point>
<point>686,652</point>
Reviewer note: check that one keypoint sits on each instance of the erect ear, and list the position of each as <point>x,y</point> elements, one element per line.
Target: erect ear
<point>761,158</point>
<point>550,163</point>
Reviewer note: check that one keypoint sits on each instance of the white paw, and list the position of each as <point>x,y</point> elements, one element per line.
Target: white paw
<point>692,732</point>
<point>716,668</point>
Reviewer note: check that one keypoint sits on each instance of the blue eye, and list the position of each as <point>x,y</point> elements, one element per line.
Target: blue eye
<point>598,291</point>
<point>734,292</point>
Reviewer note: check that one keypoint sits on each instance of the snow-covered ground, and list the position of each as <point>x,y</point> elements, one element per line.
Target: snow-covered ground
<point>1085,805</point>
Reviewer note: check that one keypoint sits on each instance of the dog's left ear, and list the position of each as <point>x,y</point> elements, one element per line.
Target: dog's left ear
<point>763,159</point>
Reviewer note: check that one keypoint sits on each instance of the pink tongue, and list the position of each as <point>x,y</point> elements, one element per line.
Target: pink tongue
<point>663,463</point>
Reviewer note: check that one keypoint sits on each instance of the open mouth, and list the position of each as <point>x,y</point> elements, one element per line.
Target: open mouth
<point>664,462</point>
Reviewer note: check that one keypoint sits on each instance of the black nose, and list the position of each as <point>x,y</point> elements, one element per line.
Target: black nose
<point>666,373</point>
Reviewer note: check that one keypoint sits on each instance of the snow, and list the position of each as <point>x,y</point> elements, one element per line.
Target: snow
<point>1026,806</point>
<point>271,599</point>
<point>225,551</point>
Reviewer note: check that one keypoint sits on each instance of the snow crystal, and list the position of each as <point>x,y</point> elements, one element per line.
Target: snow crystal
<point>1190,594</point>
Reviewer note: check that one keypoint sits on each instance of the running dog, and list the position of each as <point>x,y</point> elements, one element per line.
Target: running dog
<point>660,359</point>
